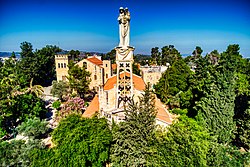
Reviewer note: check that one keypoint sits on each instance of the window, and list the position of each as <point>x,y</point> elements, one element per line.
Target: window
<point>58,65</point>
<point>64,78</point>
<point>61,65</point>
<point>64,65</point>
<point>95,77</point>
<point>107,98</point>
<point>107,75</point>
<point>106,65</point>
<point>85,65</point>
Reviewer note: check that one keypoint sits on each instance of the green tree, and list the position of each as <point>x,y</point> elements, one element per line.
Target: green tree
<point>110,56</point>
<point>13,55</point>
<point>60,89</point>
<point>74,54</point>
<point>47,71</point>
<point>192,59</point>
<point>36,90</point>
<point>242,119</point>
<point>39,65</point>
<point>27,50</point>
<point>217,110</point>
<point>133,140</point>
<point>78,79</point>
<point>169,55</point>
<point>33,128</point>
<point>174,81</point>
<point>197,52</point>
<point>79,142</point>
<point>233,62</point>
<point>185,143</point>
<point>17,102</point>
<point>156,56</point>
<point>18,152</point>
<point>56,104</point>
<point>20,109</point>
<point>216,88</point>
<point>214,57</point>
<point>226,155</point>
<point>28,106</point>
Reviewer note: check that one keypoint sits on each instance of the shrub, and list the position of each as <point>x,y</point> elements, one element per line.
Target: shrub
<point>56,104</point>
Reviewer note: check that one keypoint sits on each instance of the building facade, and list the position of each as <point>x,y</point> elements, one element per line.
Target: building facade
<point>100,70</point>
<point>152,74</point>
<point>61,62</point>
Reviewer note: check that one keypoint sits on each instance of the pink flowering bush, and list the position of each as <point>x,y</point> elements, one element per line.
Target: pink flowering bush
<point>73,105</point>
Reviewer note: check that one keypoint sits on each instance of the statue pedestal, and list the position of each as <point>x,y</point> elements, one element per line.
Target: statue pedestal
<point>124,53</point>
<point>124,61</point>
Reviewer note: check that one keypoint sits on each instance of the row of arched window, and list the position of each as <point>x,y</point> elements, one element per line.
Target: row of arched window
<point>62,65</point>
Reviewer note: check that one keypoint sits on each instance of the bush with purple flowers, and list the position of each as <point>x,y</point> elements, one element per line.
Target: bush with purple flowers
<point>74,105</point>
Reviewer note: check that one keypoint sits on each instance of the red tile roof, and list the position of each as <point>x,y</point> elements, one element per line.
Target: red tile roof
<point>162,112</point>
<point>95,60</point>
<point>92,108</point>
<point>138,82</point>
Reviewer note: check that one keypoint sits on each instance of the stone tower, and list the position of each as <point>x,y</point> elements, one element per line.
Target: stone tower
<point>61,62</point>
<point>124,61</point>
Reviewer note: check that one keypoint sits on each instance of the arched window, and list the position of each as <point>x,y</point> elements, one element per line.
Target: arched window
<point>58,65</point>
<point>65,65</point>
<point>61,65</point>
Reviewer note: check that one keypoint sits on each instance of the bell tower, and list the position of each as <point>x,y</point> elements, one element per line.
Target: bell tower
<point>124,61</point>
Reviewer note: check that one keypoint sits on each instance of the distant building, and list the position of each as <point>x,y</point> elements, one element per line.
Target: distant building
<point>100,70</point>
<point>152,74</point>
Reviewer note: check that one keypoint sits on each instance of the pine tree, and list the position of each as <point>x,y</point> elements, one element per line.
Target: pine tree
<point>173,82</point>
<point>134,138</point>
<point>217,108</point>
<point>243,126</point>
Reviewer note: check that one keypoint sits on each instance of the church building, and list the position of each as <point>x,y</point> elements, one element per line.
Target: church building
<point>118,90</point>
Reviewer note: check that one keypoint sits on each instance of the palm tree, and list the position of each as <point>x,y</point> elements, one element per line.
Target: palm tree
<point>36,89</point>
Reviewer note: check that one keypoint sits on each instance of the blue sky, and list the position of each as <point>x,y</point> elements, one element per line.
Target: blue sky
<point>92,25</point>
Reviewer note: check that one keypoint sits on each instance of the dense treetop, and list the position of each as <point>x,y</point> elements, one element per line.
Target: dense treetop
<point>210,96</point>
